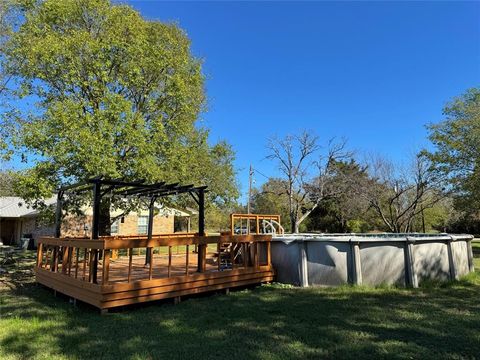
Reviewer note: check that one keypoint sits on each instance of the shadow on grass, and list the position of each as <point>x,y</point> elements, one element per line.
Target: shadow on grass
<point>435,321</point>
<point>476,248</point>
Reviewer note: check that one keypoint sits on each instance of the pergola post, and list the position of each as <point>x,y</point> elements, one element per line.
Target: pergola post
<point>58,214</point>
<point>151,209</point>
<point>97,197</point>
<point>202,248</point>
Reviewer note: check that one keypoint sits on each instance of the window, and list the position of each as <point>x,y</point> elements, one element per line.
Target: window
<point>114,228</point>
<point>142,225</point>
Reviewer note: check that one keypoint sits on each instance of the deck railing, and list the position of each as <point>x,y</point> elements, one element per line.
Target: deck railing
<point>255,224</point>
<point>91,261</point>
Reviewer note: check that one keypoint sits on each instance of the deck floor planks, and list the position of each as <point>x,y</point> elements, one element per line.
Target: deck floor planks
<point>118,272</point>
<point>211,279</point>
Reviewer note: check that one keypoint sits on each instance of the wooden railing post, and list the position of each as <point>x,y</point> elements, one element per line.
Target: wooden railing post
<point>54,259</point>
<point>232,254</point>
<point>85,259</point>
<point>204,256</point>
<point>47,258</point>
<point>77,253</point>
<point>269,254</point>
<point>90,263</point>
<point>71,252</point>
<point>150,264</point>
<point>169,261</point>
<point>130,259</point>
<point>39,254</point>
<point>94,268</point>
<point>245,254</point>
<point>106,266</point>
<point>65,259</point>
<point>187,260</point>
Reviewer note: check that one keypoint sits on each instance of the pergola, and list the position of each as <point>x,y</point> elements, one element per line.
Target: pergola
<point>124,189</point>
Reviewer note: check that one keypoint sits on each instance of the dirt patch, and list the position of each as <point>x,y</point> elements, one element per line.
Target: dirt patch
<point>16,268</point>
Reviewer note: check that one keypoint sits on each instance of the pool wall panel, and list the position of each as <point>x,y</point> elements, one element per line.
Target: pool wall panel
<point>431,261</point>
<point>327,263</point>
<point>383,263</point>
<point>325,260</point>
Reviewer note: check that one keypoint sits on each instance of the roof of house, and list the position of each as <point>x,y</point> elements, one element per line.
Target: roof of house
<point>15,207</point>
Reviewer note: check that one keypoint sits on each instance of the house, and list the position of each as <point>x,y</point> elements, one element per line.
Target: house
<point>165,221</point>
<point>17,220</point>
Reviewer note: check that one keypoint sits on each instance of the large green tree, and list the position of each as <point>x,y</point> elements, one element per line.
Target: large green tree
<point>7,179</point>
<point>115,96</point>
<point>347,209</point>
<point>9,14</point>
<point>457,148</point>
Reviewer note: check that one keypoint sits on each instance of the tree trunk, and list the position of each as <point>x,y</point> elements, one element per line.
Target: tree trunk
<point>297,228</point>
<point>293,224</point>
<point>302,218</point>
<point>423,222</point>
<point>104,221</point>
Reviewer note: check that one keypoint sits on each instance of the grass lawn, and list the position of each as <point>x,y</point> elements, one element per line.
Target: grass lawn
<point>268,322</point>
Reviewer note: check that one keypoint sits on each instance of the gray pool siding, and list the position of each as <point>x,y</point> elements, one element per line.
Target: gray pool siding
<point>311,260</point>
<point>383,263</point>
<point>328,262</point>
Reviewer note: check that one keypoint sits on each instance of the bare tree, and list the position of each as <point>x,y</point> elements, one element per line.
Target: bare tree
<point>399,195</point>
<point>307,181</point>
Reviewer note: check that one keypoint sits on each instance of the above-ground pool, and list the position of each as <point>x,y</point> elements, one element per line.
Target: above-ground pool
<point>371,259</point>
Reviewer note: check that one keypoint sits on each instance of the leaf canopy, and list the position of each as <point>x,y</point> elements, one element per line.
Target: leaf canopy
<point>116,95</point>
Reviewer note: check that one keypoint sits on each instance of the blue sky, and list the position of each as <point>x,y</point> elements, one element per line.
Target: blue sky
<point>373,72</point>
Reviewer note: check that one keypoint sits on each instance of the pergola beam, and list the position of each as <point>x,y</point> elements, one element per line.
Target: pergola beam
<point>102,187</point>
<point>149,190</point>
<point>133,190</point>
<point>166,192</point>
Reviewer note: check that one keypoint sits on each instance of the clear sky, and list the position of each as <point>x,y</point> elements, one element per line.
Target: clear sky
<point>373,72</point>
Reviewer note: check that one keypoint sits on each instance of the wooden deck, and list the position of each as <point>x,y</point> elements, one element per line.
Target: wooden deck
<point>112,271</point>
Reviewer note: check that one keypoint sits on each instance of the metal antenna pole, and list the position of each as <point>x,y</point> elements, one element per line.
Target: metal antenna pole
<point>250,177</point>
<point>249,188</point>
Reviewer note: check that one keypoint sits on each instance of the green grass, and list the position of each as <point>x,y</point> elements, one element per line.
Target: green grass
<point>476,248</point>
<point>269,322</point>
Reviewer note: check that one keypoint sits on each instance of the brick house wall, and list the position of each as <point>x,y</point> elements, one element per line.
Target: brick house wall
<point>75,226</point>
<point>161,225</point>
<point>30,226</point>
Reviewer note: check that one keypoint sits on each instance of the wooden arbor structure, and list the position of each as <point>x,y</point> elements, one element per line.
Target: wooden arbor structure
<point>151,192</point>
<point>84,269</point>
